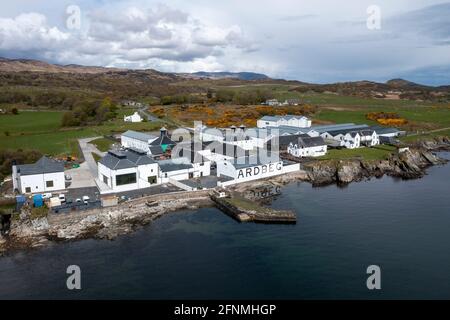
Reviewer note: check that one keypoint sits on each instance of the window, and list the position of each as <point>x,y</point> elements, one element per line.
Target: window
<point>128,178</point>
<point>152,179</point>
<point>49,184</point>
<point>27,189</point>
<point>105,179</point>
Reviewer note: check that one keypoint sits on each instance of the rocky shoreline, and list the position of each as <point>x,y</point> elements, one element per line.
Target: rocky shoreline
<point>410,164</point>
<point>109,223</point>
<point>105,223</point>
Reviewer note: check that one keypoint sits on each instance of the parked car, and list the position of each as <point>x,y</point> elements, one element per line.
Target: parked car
<point>62,197</point>
<point>69,201</point>
<point>86,199</point>
<point>46,195</point>
<point>78,200</point>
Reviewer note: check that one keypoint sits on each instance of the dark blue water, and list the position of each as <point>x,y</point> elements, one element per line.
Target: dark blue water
<point>402,226</point>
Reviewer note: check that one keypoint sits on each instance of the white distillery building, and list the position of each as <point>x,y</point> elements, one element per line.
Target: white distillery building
<point>235,136</point>
<point>45,175</point>
<point>288,120</point>
<point>135,117</point>
<point>182,169</point>
<point>216,151</point>
<point>127,170</point>
<point>137,140</point>
<point>252,168</point>
<point>191,152</point>
<point>369,138</point>
<point>353,139</point>
<point>307,147</point>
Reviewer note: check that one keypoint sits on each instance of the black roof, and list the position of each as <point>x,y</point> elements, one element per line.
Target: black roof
<point>284,141</point>
<point>129,158</point>
<point>307,142</point>
<point>156,150</point>
<point>161,140</point>
<point>173,165</point>
<point>43,165</point>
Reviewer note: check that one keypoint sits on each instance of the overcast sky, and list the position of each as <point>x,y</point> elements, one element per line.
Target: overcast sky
<point>315,41</point>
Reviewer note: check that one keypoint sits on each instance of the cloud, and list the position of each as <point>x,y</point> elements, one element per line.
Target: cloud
<point>133,35</point>
<point>285,39</point>
<point>29,31</point>
<point>296,18</point>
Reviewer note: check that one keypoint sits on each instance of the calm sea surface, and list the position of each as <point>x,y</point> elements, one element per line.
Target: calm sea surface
<point>402,226</point>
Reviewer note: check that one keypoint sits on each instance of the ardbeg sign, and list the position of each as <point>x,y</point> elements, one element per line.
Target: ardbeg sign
<point>262,170</point>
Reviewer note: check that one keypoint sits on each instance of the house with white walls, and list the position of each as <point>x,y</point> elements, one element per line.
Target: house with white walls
<point>369,138</point>
<point>307,147</point>
<point>131,169</point>
<point>46,175</point>
<point>351,140</point>
<point>135,117</point>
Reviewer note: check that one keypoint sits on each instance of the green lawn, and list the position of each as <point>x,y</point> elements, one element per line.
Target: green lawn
<point>41,131</point>
<point>375,153</point>
<point>96,157</point>
<point>425,136</point>
<point>102,144</point>
<point>343,116</point>
<point>30,122</point>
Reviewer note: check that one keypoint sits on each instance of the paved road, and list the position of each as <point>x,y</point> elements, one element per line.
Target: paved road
<point>87,150</point>
<point>149,116</point>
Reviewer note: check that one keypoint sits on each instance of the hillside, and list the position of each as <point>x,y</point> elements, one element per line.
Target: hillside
<point>236,75</point>
<point>33,83</point>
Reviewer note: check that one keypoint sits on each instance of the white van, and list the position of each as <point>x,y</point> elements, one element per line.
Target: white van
<point>62,198</point>
<point>86,199</point>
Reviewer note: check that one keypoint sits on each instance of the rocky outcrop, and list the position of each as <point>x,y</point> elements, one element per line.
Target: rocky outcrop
<point>436,144</point>
<point>105,223</point>
<point>409,164</point>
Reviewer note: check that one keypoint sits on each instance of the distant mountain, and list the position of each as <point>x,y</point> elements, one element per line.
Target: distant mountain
<point>225,74</point>
<point>402,83</point>
<point>21,65</point>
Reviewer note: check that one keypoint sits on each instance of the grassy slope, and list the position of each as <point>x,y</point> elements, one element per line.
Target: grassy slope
<point>41,131</point>
<point>102,144</point>
<point>376,153</point>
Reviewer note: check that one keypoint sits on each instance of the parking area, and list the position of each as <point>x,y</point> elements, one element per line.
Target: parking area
<point>164,188</point>
<point>74,200</point>
<point>80,177</point>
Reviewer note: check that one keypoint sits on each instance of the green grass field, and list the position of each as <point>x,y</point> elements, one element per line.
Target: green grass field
<point>33,122</point>
<point>102,144</point>
<point>375,153</point>
<point>41,130</point>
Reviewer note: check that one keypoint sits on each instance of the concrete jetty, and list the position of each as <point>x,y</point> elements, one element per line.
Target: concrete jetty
<point>244,210</point>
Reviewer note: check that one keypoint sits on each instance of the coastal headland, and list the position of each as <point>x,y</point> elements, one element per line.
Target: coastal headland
<point>108,223</point>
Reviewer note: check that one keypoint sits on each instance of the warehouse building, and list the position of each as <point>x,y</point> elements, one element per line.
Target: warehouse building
<point>287,120</point>
<point>45,175</point>
<point>137,140</point>
<point>252,168</point>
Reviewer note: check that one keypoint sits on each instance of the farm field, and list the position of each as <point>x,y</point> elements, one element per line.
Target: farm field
<point>41,130</point>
